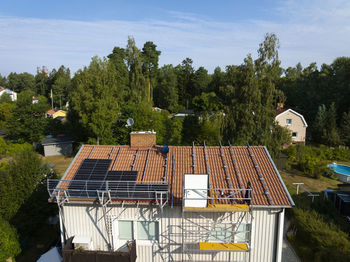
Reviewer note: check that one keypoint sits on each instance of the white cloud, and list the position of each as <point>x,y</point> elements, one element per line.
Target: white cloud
<point>313,31</point>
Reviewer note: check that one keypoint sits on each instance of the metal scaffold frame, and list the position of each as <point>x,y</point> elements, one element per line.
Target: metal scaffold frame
<point>202,232</point>
<point>202,228</point>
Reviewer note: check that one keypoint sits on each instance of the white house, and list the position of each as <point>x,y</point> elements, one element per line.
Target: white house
<point>180,203</point>
<point>11,93</point>
<point>294,121</point>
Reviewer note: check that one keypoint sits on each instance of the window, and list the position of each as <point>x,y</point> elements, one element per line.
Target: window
<point>126,231</point>
<point>242,234</point>
<point>145,230</point>
<point>227,233</point>
<point>221,233</point>
<point>288,122</point>
<point>294,134</point>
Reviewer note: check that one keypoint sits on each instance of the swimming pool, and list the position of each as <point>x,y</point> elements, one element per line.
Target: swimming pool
<point>342,171</point>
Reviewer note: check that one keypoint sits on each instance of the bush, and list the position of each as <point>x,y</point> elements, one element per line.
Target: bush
<point>9,245</point>
<point>322,234</point>
<point>326,241</point>
<point>313,160</point>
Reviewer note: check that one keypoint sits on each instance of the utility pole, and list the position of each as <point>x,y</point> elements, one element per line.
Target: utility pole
<point>51,99</point>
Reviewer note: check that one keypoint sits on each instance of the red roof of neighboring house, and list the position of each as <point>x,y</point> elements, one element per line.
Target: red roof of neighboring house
<point>50,111</point>
<point>280,110</point>
<point>180,162</point>
<point>2,88</point>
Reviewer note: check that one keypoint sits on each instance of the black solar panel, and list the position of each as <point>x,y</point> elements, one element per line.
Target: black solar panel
<point>93,169</point>
<point>93,175</point>
<point>121,176</point>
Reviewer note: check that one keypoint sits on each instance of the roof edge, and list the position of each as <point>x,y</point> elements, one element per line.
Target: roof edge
<point>279,177</point>
<point>71,163</point>
<point>298,114</point>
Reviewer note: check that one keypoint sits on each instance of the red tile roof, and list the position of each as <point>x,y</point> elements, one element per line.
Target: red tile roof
<point>50,111</point>
<point>182,155</point>
<point>280,110</point>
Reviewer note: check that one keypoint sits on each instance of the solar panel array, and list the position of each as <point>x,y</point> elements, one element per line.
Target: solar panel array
<point>93,175</point>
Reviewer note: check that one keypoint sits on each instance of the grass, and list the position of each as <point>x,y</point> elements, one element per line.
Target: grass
<point>312,184</point>
<point>61,163</point>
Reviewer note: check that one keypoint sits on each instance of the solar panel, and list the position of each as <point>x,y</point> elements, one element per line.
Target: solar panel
<point>121,176</point>
<point>93,169</point>
<point>93,175</point>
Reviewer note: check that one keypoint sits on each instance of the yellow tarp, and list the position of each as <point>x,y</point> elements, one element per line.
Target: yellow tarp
<point>217,208</point>
<point>223,246</point>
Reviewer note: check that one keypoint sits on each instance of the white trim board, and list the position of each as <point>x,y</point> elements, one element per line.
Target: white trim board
<point>294,112</point>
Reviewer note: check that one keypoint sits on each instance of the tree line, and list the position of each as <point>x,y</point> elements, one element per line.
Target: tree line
<point>237,104</point>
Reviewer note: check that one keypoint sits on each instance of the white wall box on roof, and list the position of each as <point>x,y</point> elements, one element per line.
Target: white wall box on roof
<point>196,190</point>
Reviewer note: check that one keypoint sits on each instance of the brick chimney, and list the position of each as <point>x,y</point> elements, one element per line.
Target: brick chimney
<point>280,106</point>
<point>143,138</point>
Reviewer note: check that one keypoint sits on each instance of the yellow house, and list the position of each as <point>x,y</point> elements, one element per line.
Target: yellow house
<point>295,122</point>
<point>56,113</point>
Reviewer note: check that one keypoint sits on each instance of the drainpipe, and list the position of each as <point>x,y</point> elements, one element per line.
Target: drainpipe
<point>280,226</point>
<point>61,227</point>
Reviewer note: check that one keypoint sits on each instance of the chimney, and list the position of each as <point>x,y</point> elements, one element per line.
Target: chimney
<point>143,138</point>
<point>280,105</point>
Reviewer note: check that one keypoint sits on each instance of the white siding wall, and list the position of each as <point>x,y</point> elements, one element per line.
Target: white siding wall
<point>87,220</point>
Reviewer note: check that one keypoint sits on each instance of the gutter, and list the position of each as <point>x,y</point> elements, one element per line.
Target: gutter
<point>280,178</point>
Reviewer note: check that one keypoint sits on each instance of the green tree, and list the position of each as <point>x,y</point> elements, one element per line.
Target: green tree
<point>206,102</point>
<point>2,81</point>
<point>94,99</point>
<point>5,98</point>
<point>175,130</point>
<point>42,83</point>
<point>165,93</point>
<point>251,97</point>
<point>320,123</point>
<point>330,131</point>
<point>6,110</point>
<point>345,128</point>
<point>18,181</point>
<point>20,82</point>
<point>185,74</point>
<point>27,121</point>
<point>138,90</point>
<point>200,82</point>
<point>150,57</point>
<point>9,245</point>
<point>61,85</point>
<point>118,58</point>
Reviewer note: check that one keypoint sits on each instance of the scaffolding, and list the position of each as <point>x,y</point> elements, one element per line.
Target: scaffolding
<point>224,223</point>
<point>218,227</point>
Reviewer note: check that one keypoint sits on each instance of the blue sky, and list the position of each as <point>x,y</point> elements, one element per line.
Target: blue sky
<point>212,33</point>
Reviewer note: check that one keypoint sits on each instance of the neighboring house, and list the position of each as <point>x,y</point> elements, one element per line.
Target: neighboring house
<point>35,100</point>
<point>51,113</point>
<point>184,113</point>
<point>57,146</point>
<point>179,203</point>
<point>12,94</point>
<point>157,109</point>
<point>294,121</point>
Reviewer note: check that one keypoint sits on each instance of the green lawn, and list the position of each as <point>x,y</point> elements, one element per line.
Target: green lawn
<point>312,184</point>
<point>61,163</point>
